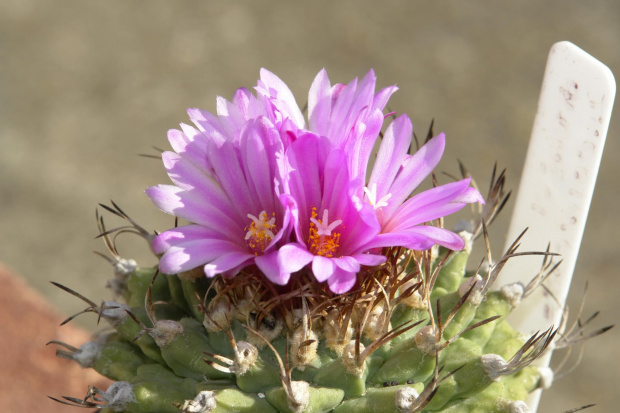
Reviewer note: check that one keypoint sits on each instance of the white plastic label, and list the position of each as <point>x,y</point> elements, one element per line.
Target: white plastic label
<point>558,180</point>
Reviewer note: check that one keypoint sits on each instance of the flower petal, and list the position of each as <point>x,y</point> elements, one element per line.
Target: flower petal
<point>414,170</point>
<point>320,104</point>
<point>342,281</point>
<point>347,263</point>
<point>418,238</point>
<point>269,265</point>
<point>292,257</point>
<point>226,262</point>
<point>370,260</point>
<point>180,235</point>
<point>392,152</point>
<point>433,204</point>
<point>322,268</point>
<point>193,207</point>
<point>276,90</point>
<point>189,255</point>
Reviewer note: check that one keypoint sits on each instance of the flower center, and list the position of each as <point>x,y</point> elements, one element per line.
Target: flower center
<point>260,232</point>
<point>372,197</point>
<point>322,238</point>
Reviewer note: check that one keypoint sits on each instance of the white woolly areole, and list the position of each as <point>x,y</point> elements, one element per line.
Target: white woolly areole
<point>405,398</point>
<point>476,296</point>
<point>204,402</point>
<point>377,323</point>
<point>306,354</point>
<point>513,293</point>
<point>493,365</point>
<point>114,312</point>
<point>350,360</point>
<point>415,300</point>
<point>245,357</point>
<point>299,399</point>
<point>467,237</point>
<point>118,395</point>
<point>518,407</point>
<point>426,340</point>
<point>124,267</point>
<point>221,314</point>
<point>270,328</point>
<point>331,329</point>
<point>165,331</point>
<point>546,377</point>
<point>87,354</point>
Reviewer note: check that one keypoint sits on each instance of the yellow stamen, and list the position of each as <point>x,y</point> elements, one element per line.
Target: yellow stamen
<point>322,239</point>
<point>260,232</point>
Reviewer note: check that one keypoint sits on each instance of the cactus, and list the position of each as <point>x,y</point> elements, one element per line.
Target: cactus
<point>313,292</point>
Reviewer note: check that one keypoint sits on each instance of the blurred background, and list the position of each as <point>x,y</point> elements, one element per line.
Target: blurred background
<point>86,86</point>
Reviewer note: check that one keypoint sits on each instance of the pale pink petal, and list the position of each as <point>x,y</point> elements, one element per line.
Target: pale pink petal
<point>433,204</point>
<point>370,260</point>
<point>342,281</point>
<point>268,264</point>
<point>292,257</point>
<point>227,262</point>
<point>414,170</point>
<point>281,95</point>
<point>189,255</point>
<point>320,104</point>
<point>180,235</point>
<point>418,238</point>
<point>347,263</point>
<point>322,268</point>
<point>394,147</point>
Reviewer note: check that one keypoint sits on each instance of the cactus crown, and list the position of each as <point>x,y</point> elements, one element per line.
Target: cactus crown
<point>300,287</point>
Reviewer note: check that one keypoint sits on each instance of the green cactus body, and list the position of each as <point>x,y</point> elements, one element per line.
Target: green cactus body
<point>191,288</point>
<point>378,400</point>
<point>119,360</point>
<point>495,304</point>
<point>138,283</point>
<point>155,388</point>
<point>183,353</point>
<point>452,272</point>
<point>239,359</point>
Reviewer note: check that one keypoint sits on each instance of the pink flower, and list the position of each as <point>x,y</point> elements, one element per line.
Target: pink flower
<point>330,229</point>
<point>395,174</point>
<point>259,187</point>
<point>228,191</point>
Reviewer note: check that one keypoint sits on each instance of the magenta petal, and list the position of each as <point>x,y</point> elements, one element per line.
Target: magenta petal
<point>342,281</point>
<point>292,257</point>
<point>322,268</point>
<point>433,204</point>
<point>274,88</point>
<point>370,260</point>
<point>394,147</point>
<point>320,104</point>
<point>347,263</point>
<point>414,170</point>
<point>185,256</point>
<point>418,238</point>
<point>180,235</point>
<point>192,207</point>
<point>269,266</point>
<point>227,262</point>
<point>382,97</point>
<point>440,236</point>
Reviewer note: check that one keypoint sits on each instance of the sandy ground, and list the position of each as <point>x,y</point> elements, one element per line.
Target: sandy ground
<point>85,86</point>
